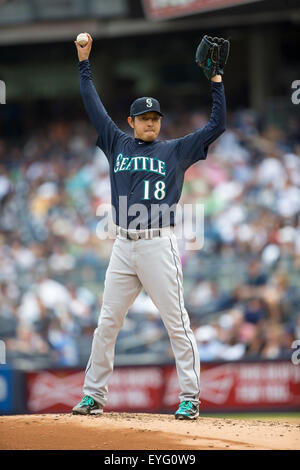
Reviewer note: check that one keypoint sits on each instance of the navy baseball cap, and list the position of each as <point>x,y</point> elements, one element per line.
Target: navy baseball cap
<point>144,105</point>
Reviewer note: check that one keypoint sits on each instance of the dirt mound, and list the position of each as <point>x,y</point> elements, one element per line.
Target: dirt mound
<point>136,431</point>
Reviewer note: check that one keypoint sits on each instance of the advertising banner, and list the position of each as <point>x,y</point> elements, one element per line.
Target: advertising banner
<point>163,9</point>
<point>242,386</point>
<point>130,388</point>
<point>53,390</point>
<point>224,387</point>
<point>138,388</point>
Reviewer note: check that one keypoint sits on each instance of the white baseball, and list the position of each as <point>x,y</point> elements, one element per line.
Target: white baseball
<point>82,39</point>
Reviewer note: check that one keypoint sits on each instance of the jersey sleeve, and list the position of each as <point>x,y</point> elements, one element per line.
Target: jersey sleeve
<point>107,130</point>
<point>194,146</point>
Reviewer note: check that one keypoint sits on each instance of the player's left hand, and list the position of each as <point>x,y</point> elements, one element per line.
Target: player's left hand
<point>212,55</point>
<point>84,51</point>
<point>224,47</point>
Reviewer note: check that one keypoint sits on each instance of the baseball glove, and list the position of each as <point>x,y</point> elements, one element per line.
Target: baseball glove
<point>212,55</point>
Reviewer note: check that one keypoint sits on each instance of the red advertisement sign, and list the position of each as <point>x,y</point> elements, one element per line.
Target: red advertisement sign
<point>162,9</point>
<point>53,391</point>
<point>130,388</point>
<point>231,386</point>
<point>243,386</point>
<point>135,388</point>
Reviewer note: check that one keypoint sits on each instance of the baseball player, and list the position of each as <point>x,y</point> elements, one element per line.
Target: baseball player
<point>150,173</point>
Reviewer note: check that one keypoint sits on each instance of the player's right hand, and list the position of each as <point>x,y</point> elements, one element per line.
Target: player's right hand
<point>84,52</point>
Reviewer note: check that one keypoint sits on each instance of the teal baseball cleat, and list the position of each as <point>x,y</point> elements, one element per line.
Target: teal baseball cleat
<point>87,406</point>
<point>187,410</point>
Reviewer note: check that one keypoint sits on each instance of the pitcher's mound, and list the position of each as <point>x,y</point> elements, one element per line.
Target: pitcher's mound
<point>141,431</point>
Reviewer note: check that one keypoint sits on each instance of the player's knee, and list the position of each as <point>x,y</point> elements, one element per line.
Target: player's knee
<point>111,318</point>
<point>176,325</point>
<point>179,332</point>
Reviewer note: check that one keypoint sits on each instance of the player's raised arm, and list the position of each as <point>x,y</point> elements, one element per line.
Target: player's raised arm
<point>217,121</point>
<point>105,127</point>
<point>211,56</point>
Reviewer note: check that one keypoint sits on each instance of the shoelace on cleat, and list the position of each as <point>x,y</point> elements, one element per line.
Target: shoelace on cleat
<point>185,406</point>
<point>87,401</point>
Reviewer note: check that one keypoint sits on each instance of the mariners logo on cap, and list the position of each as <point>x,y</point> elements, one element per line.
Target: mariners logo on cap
<point>143,105</point>
<point>149,102</point>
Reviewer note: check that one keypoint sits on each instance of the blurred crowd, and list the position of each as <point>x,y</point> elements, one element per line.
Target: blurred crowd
<point>242,288</point>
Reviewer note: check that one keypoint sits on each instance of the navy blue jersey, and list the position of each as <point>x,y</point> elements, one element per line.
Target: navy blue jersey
<point>148,173</point>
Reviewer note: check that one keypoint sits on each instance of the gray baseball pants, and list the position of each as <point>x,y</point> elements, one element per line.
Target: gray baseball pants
<point>153,264</point>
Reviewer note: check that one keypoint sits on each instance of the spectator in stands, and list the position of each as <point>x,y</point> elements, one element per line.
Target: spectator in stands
<point>254,311</point>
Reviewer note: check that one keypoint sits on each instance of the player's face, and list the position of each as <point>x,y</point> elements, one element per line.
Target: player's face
<point>146,126</point>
